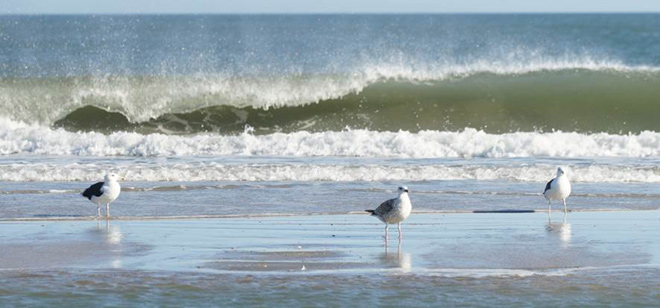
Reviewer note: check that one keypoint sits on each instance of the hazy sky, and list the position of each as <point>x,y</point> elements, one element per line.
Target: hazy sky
<point>320,6</point>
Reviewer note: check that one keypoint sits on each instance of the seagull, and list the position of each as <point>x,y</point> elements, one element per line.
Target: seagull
<point>104,192</point>
<point>394,211</point>
<point>558,188</point>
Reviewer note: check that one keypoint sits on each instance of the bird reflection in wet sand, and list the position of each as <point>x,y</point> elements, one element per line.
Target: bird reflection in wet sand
<point>109,238</point>
<point>107,233</point>
<point>398,259</point>
<point>562,229</point>
<point>112,234</point>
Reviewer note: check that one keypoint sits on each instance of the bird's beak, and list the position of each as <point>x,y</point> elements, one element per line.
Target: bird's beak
<point>405,190</point>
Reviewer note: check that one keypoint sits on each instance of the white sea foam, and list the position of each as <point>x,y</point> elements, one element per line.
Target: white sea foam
<point>484,273</point>
<point>21,138</point>
<point>212,171</point>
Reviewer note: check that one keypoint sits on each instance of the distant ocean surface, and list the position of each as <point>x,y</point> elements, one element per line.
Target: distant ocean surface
<point>262,105</point>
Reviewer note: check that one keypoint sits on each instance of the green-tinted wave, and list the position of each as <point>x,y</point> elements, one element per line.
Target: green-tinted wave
<point>568,100</point>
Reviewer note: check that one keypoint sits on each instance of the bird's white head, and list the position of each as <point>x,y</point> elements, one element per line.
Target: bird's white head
<point>110,177</point>
<point>560,171</point>
<point>403,190</point>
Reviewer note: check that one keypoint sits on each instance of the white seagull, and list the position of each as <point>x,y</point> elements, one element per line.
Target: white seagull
<point>104,192</point>
<point>558,188</point>
<point>394,211</point>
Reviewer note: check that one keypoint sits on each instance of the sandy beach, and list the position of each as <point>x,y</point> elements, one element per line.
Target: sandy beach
<point>590,258</point>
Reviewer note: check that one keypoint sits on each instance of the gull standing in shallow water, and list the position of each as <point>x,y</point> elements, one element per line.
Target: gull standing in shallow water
<point>558,188</point>
<point>104,192</point>
<point>394,211</point>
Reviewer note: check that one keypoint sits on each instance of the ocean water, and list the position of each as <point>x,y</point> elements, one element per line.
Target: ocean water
<point>269,115</point>
<point>230,114</point>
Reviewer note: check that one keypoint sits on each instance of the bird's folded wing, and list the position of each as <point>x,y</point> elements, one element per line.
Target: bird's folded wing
<point>385,207</point>
<point>547,186</point>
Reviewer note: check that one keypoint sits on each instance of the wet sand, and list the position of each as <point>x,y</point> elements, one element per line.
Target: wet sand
<point>465,243</point>
<point>522,252</point>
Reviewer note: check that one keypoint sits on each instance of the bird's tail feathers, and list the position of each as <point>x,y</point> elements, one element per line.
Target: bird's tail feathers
<point>370,211</point>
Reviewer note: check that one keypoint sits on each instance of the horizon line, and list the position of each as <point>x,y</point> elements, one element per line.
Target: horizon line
<point>331,13</point>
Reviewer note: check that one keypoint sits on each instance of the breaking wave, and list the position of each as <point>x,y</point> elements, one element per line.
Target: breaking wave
<point>584,96</point>
<point>22,138</point>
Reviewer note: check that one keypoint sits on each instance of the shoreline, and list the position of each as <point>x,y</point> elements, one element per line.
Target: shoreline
<point>267,215</point>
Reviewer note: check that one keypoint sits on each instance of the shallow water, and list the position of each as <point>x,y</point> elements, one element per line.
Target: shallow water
<point>238,185</point>
<point>148,199</point>
<point>120,288</point>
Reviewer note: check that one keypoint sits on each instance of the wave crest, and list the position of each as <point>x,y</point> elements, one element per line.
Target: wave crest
<point>141,99</point>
